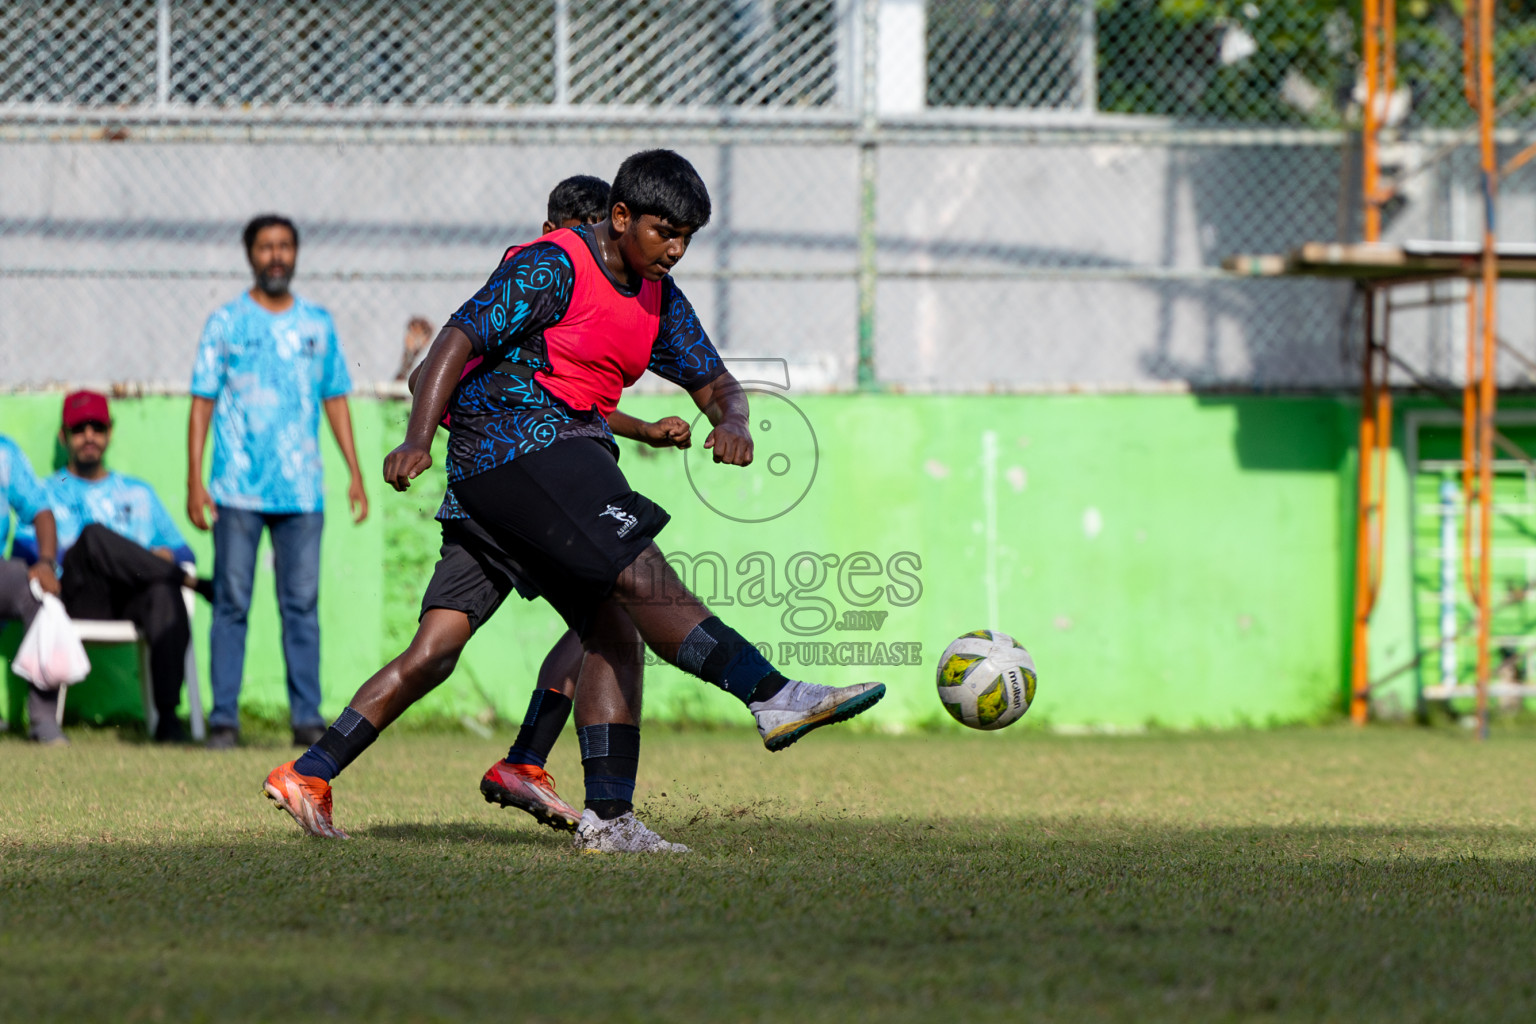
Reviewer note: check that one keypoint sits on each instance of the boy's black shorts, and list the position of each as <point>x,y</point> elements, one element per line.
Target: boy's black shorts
<point>568,519</point>
<point>474,574</point>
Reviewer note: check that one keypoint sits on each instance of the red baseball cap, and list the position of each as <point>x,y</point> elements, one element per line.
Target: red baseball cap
<point>86,407</point>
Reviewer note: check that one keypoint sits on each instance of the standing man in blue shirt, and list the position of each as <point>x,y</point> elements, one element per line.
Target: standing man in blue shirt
<point>120,557</point>
<point>20,492</point>
<point>267,363</point>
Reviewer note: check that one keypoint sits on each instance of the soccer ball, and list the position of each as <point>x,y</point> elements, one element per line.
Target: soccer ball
<point>986,679</point>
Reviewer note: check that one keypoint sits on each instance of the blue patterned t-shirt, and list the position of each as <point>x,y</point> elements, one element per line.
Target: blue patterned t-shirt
<point>126,505</point>
<point>20,490</point>
<point>268,374</point>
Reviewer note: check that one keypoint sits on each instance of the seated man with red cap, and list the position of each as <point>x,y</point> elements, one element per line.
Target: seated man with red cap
<point>121,558</point>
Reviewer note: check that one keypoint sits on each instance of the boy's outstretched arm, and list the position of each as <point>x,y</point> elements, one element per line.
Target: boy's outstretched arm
<point>724,401</point>
<point>440,374</point>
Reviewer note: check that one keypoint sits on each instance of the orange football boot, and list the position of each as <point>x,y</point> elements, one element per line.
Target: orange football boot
<point>531,788</point>
<point>308,799</point>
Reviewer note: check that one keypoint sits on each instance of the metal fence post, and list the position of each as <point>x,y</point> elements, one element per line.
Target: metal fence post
<point>163,54</point>
<point>869,126</point>
<point>562,52</point>
<point>1088,57</point>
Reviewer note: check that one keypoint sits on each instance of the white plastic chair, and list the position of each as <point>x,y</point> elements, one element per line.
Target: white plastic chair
<point>121,631</point>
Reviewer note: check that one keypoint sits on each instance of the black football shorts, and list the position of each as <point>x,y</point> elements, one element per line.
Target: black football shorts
<point>569,520</point>
<point>474,574</point>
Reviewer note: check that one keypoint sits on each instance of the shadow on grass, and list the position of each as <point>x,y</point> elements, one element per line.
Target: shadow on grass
<point>511,834</point>
<point>786,917</point>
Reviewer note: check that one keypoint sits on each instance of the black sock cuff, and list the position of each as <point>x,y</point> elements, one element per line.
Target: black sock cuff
<point>548,702</point>
<point>769,685</point>
<point>350,720</point>
<point>693,653</point>
<point>607,810</point>
<point>610,787</point>
<point>729,660</point>
<point>548,711</point>
<point>348,736</point>
<point>727,645</point>
<point>609,739</point>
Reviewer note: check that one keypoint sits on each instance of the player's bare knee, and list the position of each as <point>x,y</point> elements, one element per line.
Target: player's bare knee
<point>431,661</point>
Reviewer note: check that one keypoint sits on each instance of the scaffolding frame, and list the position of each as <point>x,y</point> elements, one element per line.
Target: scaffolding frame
<point>1480,390</point>
<point>1377,270</point>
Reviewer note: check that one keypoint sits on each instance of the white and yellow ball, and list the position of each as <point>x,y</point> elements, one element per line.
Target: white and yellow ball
<point>986,679</point>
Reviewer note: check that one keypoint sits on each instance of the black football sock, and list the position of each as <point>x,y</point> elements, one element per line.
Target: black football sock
<point>718,654</point>
<point>343,741</point>
<point>547,712</point>
<point>770,684</point>
<point>610,756</point>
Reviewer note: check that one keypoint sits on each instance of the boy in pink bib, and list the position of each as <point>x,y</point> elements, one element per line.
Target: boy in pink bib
<point>564,326</point>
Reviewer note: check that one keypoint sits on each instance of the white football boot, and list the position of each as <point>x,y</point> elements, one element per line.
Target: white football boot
<point>624,834</point>
<point>800,707</point>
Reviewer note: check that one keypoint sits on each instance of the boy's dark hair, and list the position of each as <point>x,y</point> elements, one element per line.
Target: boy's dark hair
<point>661,183</point>
<point>580,197</point>
<point>268,220</point>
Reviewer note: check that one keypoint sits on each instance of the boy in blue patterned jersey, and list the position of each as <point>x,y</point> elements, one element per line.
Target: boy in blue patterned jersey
<point>120,554</point>
<point>520,779</point>
<point>562,327</point>
<point>23,494</point>
<point>267,364</point>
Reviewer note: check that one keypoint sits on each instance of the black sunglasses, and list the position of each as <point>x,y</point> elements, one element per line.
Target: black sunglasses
<point>96,425</point>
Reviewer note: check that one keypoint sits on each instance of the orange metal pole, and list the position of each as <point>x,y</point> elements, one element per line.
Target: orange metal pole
<point>1389,49</point>
<point>1469,448</point>
<point>1517,161</point>
<point>1370,156</point>
<point>1469,52</point>
<point>1366,534</point>
<point>1375,403</point>
<point>1488,391</point>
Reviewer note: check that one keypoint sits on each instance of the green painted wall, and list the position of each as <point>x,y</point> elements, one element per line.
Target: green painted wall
<point>149,441</point>
<point>1176,560</point>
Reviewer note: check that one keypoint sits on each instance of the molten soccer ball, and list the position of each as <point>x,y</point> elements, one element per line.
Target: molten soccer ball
<point>986,679</point>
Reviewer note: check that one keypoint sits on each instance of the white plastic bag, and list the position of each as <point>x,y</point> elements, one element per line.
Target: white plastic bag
<point>51,654</point>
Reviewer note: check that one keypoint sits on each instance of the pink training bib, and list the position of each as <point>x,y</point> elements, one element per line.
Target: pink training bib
<point>603,343</point>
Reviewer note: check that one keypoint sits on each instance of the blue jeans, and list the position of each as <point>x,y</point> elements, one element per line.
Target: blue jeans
<point>296,564</point>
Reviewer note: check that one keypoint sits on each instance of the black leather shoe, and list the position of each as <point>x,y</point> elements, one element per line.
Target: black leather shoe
<point>223,737</point>
<point>169,730</point>
<point>307,735</point>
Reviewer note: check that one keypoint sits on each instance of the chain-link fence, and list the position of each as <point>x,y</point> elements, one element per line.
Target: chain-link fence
<point>928,194</point>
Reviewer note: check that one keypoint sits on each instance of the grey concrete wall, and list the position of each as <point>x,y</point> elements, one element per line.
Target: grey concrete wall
<point>114,254</point>
<point>1051,265</point>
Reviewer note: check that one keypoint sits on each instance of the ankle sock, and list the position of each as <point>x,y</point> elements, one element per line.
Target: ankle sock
<point>349,736</point>
<point>771,684</point>
<point>718,654</point>
<point>547,712</point>
<point>610,756</point>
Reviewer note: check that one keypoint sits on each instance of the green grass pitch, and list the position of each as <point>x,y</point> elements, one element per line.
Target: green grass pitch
<point>1325,874</point>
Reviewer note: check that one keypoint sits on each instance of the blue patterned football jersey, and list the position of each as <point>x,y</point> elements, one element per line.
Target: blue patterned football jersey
<point>269,375</point>
<point>500,410</point>
<point>20,490</point>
